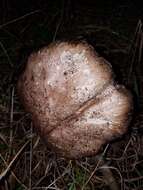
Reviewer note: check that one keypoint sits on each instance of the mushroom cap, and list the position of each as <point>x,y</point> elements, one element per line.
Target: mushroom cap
<point>75,105</point>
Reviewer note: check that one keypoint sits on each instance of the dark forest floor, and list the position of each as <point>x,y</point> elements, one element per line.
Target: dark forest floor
<point>115,30</point>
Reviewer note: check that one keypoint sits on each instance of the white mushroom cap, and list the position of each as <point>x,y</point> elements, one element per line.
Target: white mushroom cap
<point>74,103</point>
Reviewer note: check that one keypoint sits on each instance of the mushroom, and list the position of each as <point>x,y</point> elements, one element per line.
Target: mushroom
<point>75,104</point>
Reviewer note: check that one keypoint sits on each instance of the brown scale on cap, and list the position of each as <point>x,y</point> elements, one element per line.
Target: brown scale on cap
<point>70,92</point>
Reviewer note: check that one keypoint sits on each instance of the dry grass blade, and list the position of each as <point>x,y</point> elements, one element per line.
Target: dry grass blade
<point>12,163</point>
<point>60,21</point>
<point>12,174</point>
<point>11,121</point>
<point>2,137</point>
<point>6,54</point>
<point>30,165</point>
<point>135,54</point>
<point>98,163</point>
<point>19,18</point>
<point>110,179</point>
